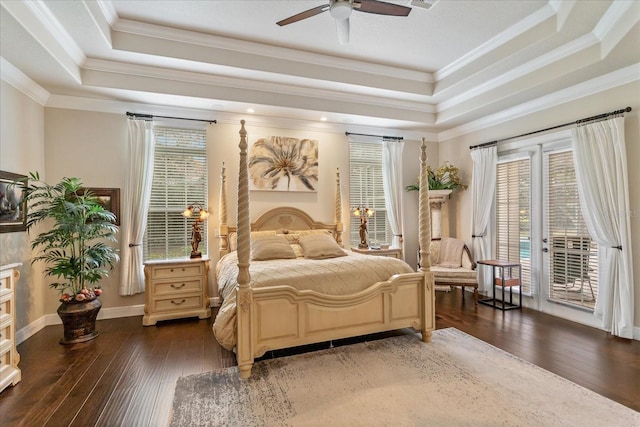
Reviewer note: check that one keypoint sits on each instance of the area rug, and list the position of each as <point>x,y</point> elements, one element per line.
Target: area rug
<point>455,380</point>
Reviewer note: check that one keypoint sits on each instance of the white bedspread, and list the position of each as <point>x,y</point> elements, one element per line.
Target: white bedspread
<point>334,276</point>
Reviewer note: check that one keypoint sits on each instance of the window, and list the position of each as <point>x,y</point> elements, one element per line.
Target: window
<point>573,278</point>
<point>366,190</point>
<point>513,216</point>
<point>179,179</point>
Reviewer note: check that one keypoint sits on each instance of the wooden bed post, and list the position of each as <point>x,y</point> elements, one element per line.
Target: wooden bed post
<point>339,225</point>
<point>244,295</point>
<point>223,243</point>
<point>424,233</point>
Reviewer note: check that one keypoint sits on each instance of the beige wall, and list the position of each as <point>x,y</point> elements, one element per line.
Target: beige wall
<point>457,151</point>
<point>22,151</point>
<point>90,146</point>
<point>333,152</point>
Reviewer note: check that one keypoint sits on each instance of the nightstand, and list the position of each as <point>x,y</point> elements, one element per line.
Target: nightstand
<point>176,289</point>
<point>391,252</point>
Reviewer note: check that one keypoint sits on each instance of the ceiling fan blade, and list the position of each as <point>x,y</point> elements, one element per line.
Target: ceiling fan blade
<point>381,8</point>
<point>304,15</point>
<point>342,25</point>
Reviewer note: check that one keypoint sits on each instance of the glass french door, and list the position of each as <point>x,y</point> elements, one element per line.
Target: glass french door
<point>539,223</point>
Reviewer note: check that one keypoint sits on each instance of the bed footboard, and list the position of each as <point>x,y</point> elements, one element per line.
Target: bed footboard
<point>283,317</point>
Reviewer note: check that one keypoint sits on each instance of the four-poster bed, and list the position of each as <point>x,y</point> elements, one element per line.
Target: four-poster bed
<point>275,310</point>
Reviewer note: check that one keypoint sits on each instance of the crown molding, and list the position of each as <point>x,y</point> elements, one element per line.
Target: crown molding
<point>178,76</point>
<point>120,107</point>
<point>603,83</point>
<point>16,78</point>
<point>617,21</point>
<point>103,15</point>
<point>277,52</point>
<point>37,20</point>
<point>541,15</point>
<point>559,54</point>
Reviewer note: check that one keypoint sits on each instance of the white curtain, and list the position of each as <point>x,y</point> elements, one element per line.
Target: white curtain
<point>600,160</point>
<point>483,188</point>
<point>135,203</point>
<point>392,183</point>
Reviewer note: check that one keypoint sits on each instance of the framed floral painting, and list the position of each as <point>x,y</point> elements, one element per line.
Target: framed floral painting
<point>13,206</point>
<point>281,163</point>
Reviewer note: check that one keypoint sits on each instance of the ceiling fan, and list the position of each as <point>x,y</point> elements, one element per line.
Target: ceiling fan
<point>341,11</point>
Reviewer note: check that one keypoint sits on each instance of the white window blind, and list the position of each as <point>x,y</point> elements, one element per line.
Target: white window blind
<point>573,254</point>
<point>366,190</point>
<point>513,216</point>
<point>179,180</point>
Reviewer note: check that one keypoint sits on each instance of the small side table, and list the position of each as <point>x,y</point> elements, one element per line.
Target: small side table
<point>391,252</point>
<point>505,278</point>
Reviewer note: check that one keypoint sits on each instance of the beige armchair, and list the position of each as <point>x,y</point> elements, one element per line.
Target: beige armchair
<point>452,265</point>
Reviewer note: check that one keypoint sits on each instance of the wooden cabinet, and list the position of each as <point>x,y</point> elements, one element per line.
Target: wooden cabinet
<point>9,358</point>
<point>393,253</point>
<point>176,289</point>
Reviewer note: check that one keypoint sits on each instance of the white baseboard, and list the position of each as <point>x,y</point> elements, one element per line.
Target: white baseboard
<point>105,313</point>
<point>53,319</point>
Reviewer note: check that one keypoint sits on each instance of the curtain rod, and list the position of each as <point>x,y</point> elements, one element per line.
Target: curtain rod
<point>396,138</point>
<point>150,117</point>
<point>577,122</point>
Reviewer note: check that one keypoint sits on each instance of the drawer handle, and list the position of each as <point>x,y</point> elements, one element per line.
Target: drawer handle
<point>178,303</point>
<point>183,269</point>
<point>171,270</point>
<point>174,286</point>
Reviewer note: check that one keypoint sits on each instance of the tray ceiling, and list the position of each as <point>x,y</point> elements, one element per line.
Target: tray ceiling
<point>434,71</point>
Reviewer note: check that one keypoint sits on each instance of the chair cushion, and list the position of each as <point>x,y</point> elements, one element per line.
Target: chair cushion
<point>454,275</point>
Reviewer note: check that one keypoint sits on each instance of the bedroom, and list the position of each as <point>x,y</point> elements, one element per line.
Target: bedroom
<point>79,135</point>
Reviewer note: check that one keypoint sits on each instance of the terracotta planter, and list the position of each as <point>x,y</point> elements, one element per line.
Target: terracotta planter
<point>79,321</point>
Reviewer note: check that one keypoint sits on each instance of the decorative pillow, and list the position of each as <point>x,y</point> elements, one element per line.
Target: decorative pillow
<point>270,247</point>
<point>320,246</point>
<point>291,238</point>
<point>233,237</point>
<point>306,232</point>
<point>297,249</point>
<point>311,232</point>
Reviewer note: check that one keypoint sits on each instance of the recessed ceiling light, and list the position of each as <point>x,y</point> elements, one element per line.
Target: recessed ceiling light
<point>250,110</point>
<point>324,119</point>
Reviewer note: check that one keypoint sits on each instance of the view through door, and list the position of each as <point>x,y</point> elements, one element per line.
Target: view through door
<point>539,224</point>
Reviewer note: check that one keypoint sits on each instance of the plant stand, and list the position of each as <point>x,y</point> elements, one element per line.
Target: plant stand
<point>79,321</point>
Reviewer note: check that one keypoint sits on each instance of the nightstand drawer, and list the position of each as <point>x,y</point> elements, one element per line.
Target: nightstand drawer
<point>177,286</point>
<point>177,303</point>
<point>170,272</point>
<point>4,284</point>
<point>5,335</point>
<point>5,309</point>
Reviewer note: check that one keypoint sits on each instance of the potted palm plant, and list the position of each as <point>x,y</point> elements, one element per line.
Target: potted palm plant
<point>445,177</point>
<point>74,248</point>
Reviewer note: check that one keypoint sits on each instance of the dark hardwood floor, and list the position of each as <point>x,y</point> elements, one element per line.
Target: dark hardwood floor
<point>127,375</point>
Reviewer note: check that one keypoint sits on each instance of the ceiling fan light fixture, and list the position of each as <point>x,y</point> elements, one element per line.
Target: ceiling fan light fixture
<point>341,9</point>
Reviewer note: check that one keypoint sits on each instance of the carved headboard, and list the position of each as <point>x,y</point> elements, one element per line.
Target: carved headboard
<point>282,219</point>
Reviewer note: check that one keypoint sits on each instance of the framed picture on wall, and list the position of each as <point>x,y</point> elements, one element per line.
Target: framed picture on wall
<point>109,198</point>
<point>13,206</point>
<point>281,163</point>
